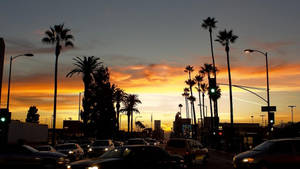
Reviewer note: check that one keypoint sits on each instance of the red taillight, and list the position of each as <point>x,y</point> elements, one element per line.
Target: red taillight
<point>187,153</point>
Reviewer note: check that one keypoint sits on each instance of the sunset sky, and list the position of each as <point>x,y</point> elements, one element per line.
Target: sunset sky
<point>146,45</point>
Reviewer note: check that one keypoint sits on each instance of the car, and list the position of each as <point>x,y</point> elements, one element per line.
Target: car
<point>99,147</point>
<point>72,150</point>
<point>152,141</point>
<point>118,143</point>
<point>276,153</point>
<point>24,156</point>
<point>45,148</point>
<point>133,157</point>
<point>136,141</point>
<point>193,151</point>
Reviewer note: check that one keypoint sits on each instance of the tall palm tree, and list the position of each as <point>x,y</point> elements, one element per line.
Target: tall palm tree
<point>186,94</point>
<point>131,101</point>
<point>87,66</point>
<point>191,83</point>
<point>119,96</point>
<point>210,23</point>
<point>58,36</point>
<point>203,88</point>
<point>189,69</point>
<point>225,38</point>
<point>198,80</point>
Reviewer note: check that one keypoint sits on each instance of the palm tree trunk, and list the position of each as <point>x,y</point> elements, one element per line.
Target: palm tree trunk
<point>215,73</point>
<point>192,103</point>
<point>54,104</point>
<point>210,105</point>
<point>187,107</point>
<point>118,115</point>
<point>128,121</point>
<point>200,105</point>
<point>230,86</point>
<point>203,105</point>
<point>131,121</point>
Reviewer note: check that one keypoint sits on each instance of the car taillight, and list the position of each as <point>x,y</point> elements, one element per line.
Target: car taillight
<point>187,153</point>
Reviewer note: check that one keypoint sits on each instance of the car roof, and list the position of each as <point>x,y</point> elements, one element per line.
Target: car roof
<point>66,144</point>
<point>285,139</point>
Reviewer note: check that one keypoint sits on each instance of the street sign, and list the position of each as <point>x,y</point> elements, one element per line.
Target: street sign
<point>265,108</point>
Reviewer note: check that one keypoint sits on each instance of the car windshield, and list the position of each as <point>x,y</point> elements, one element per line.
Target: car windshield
<point>65,146</point>
<point>176,143</point>
<point>100,143</point>
<point>43,148</point>
<point>263,146</point>
<point>31,149</point>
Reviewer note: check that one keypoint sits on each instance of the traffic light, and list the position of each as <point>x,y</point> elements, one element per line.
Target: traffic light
<point>212,86</point>
<point>5,118</point>
<point>271,118</point>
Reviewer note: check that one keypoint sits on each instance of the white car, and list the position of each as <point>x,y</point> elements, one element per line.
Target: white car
<point>72,150</point>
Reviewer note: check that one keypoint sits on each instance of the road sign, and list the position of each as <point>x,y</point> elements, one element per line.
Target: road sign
<point>265,108</point>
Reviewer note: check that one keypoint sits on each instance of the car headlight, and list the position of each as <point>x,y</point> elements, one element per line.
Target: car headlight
<point>106,149</point>
<point>93,167</point>
<point>71,152</point>
<point>90,149</point>
<point>61,160</point>
<point>68,167</point>
<point>248,160</point>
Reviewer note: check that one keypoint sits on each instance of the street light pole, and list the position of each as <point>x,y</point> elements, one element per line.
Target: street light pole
<point>9,75</point>
<point>267,72</point>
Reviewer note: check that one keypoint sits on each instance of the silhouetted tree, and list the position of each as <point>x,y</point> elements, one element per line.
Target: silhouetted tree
<point>131,101</point>
<point>32,115</point>
<point>203,87</point>
<point>86,66</point>
<point>180,106</point>
<point>58,36</point>
<point>119,96</point>
<point>189,69</point>
<point>225,38</point>
<point>198,80</point>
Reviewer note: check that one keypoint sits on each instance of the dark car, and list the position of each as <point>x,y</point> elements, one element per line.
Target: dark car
<point>99,147</point>
<point>133,157</point>
<point>193,151</point>
<point>136,141</point>
<point>277,153</point>
<point>24,156</point>
<point>72,150</point>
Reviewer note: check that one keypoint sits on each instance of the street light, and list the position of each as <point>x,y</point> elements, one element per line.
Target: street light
<point>9,75</point>
<point>267,72</point>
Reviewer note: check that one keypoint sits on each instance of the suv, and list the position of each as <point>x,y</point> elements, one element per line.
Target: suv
<point>277,153</point>
<point>192,151</point>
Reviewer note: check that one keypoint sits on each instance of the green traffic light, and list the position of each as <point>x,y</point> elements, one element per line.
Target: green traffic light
<point>2,119</point>
<point>212,90</point>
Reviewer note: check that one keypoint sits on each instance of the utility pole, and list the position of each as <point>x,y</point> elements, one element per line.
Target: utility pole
<point>292,111</point>
<point>252,119</point>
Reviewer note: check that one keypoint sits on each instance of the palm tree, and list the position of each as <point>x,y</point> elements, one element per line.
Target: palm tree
<point>199,79</point>
<point>203,88</point>
<point>191,83</point>
<point>86,66</point>
<point>119,96</point>
<point>131,101</point>
<point>225,38</point>
<point>210,23</point>
<point>186,94</point>
<point>58,36</point>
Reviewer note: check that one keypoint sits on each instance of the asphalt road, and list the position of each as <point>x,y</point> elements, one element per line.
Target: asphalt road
<point>218,160</point>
